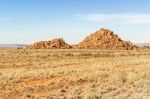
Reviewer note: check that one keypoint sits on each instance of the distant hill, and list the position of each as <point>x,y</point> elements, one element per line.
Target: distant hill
<point>143,44</point>
<point>12,45</point>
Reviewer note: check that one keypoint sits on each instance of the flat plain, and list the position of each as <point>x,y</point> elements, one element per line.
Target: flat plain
<point>74,74</point>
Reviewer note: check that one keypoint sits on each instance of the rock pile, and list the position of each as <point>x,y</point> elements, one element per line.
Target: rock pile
<point>102,39</point>
<point>105,39</point>
<point>57,43</point>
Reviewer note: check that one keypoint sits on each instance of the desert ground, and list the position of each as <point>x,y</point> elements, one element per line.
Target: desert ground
<point>74,74</point>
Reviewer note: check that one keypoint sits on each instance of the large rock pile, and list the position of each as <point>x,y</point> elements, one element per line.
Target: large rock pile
<point>105,39</point>
<point>57,43</point>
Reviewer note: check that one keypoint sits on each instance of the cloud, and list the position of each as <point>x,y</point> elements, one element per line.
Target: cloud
<point>130,18</point>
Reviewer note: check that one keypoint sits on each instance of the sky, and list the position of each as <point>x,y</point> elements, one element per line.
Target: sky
<point>29,21</point>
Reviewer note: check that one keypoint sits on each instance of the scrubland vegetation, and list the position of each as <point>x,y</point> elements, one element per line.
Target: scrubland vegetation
<point>74,74</point>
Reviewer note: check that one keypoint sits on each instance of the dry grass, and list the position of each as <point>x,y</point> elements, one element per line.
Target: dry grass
<point>74,74</point>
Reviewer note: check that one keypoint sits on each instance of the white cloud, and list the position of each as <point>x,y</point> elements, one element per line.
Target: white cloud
<point>130,18</point>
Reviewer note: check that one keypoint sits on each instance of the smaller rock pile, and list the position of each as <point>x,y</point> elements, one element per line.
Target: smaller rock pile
<point>57,43</point>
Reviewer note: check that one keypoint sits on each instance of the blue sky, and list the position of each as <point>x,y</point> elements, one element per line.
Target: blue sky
<point>29,21</point>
